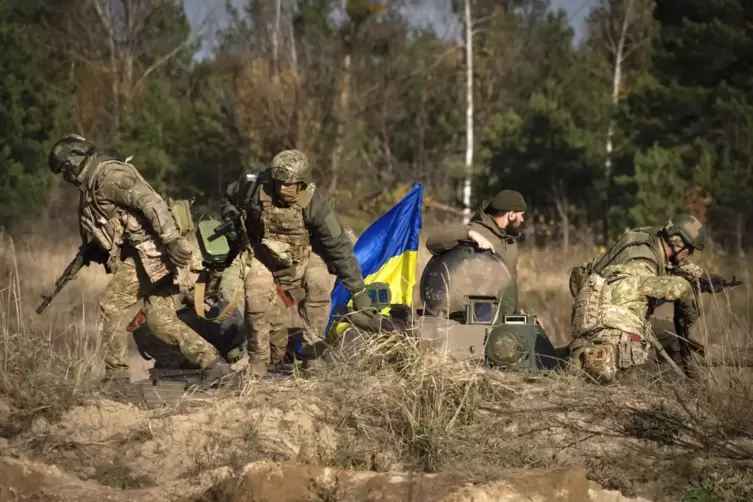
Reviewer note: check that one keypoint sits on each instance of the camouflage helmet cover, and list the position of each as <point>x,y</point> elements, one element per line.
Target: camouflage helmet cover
<point>291,166</point>
<point>688,229</point>
<point>68,153</point>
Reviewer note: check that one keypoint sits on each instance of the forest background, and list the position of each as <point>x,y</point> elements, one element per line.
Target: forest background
<point>647,114</point>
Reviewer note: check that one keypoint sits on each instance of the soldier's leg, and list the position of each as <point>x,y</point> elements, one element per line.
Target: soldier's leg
<point>315,309</point>
<point>278,331</point>
<point>259,288</point>
<point>121,294</point>
<point>160,308</point>
<point>609,351</point>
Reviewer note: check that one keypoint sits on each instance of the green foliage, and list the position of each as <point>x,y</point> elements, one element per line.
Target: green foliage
<point>32,112</point>
<point>682,127</point>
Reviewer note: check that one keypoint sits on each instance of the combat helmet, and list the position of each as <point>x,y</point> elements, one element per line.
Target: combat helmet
<point>687,229</point>
<point>291,166</point>
<point>67,155</point>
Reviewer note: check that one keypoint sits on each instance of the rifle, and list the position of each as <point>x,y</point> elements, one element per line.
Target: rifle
<point>81,259</point>
<point>221,230</point>
<point>711,283</point>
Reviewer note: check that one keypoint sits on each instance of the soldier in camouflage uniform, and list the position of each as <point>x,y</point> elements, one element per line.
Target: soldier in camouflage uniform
<point>139,242</point>
<point>615,297</point>
<point>290,235</point>
<point>494,227</point>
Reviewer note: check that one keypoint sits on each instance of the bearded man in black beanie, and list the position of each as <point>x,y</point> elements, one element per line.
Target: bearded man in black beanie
<point>495,226</point>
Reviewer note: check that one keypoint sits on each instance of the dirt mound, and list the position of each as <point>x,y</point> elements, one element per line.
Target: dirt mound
<point>288,482</point>
<point>130,447</point>
<point>24,480</point>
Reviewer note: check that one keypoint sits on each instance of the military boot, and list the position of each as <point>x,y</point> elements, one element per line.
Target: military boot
<point>256,369</point>
<point>220,374</point>
<point>116,383</point>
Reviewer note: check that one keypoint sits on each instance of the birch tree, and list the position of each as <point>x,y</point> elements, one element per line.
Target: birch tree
<point>468,22</point>
<point>123,43</point>
<point>620,32</point>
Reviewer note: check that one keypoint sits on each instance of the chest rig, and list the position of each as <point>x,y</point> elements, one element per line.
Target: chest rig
<point>279,236</point>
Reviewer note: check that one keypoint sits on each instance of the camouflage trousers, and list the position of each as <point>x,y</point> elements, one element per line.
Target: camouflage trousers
<point>602,353</point>
<point>268,334</point>
<point>129,285</point>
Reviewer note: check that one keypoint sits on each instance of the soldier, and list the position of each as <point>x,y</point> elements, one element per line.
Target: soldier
<point>610,315</point>
<point>494,227</point>
<point>291,235</point>
<point>141,245</point>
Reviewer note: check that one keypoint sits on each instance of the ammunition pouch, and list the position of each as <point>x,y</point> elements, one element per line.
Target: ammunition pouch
<point>278,253</point>
<point>631,354</point>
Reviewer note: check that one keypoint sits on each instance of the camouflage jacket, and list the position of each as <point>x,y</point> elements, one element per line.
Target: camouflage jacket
<point>636,286</point>
<point>505,244</point>
<point>320,227</point>
<point>642,245</point>
<point>118,209</point>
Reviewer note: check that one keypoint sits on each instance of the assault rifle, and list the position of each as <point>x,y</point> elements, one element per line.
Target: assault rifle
<point>221,230</point>
<point>711,283</point>
<point>82,258</point>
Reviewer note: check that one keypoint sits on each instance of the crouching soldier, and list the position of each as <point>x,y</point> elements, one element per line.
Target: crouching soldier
<point>615,297</point>
<point>138,241</point>
<point>290,235</point>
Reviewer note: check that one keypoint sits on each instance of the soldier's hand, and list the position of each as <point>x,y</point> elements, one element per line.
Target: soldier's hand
<point>230,213</point>
<point>362,303</point>
<point>178,252</point>
<point>481,241</point>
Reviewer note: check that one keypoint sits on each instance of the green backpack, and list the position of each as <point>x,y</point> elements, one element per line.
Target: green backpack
<point>181,211</point>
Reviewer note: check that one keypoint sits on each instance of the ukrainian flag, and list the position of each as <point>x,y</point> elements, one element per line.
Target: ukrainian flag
<point>388,253</point>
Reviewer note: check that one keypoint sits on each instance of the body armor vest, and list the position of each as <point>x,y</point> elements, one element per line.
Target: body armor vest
<point>286,224</point>
<point>279,237</point>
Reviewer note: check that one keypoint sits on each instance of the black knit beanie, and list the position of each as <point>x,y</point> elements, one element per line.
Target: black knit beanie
<point>506,201</point>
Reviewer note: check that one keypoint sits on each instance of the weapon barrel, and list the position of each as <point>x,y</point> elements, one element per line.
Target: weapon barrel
<point>44,304</point>
<point>221,230</point>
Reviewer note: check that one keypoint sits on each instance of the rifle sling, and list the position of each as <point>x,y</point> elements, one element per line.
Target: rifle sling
<point>198,300</point>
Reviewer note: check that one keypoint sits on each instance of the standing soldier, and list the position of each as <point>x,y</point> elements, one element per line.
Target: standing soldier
<point>139,242</point>
<point>291,235</point>
<point>615,296</point>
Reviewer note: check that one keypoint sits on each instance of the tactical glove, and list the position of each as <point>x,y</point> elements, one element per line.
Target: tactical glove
<point>231,214</point>
<point>362,303</point>
<point>178,253</point>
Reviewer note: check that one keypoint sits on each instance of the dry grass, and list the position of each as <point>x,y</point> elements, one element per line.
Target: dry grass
<point>46,361</point>
<point>394,409</point>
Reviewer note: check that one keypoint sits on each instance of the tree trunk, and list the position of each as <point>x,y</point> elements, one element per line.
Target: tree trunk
<point>276,43</point>
<point>343,100</point>
<point>468,112</point>
<point>562,203</point>
<point>740,234</point>
<point>619,57</point>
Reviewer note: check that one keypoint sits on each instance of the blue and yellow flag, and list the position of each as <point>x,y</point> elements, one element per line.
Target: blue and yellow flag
<point>388,253</point>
